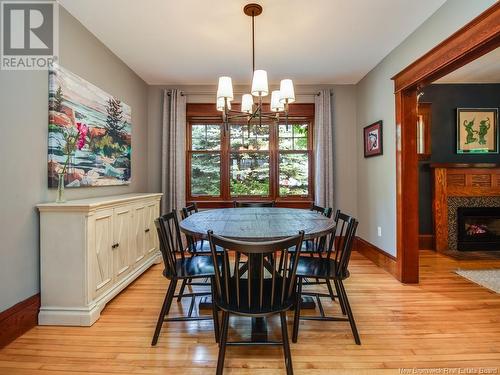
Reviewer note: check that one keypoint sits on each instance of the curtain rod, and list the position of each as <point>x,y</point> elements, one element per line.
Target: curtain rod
<point>169,93</point>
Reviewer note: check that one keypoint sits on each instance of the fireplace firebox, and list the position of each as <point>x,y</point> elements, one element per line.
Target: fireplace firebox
<point>478,228</point>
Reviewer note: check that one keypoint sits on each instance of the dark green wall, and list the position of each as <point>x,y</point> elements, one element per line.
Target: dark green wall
<point>445,99</point>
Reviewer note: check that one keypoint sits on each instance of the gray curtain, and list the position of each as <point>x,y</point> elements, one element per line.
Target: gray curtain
<point>323,150</point>
<point>173,171</point>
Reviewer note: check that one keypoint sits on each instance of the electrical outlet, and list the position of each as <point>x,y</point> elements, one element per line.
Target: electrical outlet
<point>379,231</point>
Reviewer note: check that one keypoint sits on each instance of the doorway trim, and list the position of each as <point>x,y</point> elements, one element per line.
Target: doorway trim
<point>475,39</point>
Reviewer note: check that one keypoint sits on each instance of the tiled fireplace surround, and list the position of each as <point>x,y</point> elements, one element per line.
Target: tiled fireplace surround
<point>461,185</point>
<point>454,203</point>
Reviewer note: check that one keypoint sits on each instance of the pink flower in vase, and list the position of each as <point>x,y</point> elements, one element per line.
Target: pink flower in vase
<point>82,134</point>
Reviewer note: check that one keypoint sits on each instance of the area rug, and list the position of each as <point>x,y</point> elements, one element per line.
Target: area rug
<point>489,279</point>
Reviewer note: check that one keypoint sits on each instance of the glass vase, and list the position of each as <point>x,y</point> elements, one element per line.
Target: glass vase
<point>60,188</point>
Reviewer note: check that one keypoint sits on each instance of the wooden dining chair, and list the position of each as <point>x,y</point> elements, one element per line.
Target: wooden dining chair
<point>317,245</point>
<point>333,266</point>
<point>197,246</point>
<point>238,204</point>
<point>262,290</point>
<point>326,211</point>
<point>178,266</point>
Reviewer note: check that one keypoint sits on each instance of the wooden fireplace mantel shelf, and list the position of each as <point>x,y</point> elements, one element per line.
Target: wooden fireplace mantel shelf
<point>460,180</point>
<point>465,165</point>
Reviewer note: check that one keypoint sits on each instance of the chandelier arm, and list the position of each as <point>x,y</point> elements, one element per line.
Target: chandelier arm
<point>238,116</point>
<point>257,109</point>
<point>253,41</point>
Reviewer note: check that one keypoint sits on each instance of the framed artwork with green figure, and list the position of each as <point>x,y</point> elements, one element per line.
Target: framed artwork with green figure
<point>477,130</point>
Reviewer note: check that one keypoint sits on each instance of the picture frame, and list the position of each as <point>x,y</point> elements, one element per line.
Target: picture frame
<point>106,156</point>
<point>477,131</point>
<point>373,139</point>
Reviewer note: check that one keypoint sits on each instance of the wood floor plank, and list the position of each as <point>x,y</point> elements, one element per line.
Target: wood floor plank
<point>443,322</point>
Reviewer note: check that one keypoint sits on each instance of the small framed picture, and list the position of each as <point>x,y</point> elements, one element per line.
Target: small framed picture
<point>477,130</point>
<point>373,139</point>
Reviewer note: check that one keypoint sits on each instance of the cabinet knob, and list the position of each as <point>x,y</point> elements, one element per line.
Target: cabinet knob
<point>115,245</point>
<point>146,230</point>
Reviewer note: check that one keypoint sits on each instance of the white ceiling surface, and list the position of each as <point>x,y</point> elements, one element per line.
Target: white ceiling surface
<point>485,69</point>
<point>195,41</point>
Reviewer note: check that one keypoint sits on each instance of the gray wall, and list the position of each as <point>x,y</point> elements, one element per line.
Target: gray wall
<point>23,150</point>
<point>344,118</point>
<point>375,101</point>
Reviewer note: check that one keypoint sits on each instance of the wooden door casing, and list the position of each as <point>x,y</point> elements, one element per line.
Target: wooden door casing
<point>478,37</point>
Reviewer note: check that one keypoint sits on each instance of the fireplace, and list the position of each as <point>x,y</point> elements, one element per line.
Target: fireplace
<point>478,228</point>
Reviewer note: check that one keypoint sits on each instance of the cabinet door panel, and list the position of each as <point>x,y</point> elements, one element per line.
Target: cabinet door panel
<point>139,240</point>
<point>121,240</point>
<point>152,212</point>
<point>102,256</point>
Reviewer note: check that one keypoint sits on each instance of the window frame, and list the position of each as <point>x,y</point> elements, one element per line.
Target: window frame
<point>206,114</point>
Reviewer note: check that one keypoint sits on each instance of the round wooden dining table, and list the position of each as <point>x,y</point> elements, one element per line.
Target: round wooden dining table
<point>257,224</point>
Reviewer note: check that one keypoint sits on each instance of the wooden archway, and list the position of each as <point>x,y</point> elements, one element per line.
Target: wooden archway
<point>475,39</point>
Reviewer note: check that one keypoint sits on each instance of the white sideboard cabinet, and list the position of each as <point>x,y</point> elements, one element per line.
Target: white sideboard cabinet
<point>90,250</point>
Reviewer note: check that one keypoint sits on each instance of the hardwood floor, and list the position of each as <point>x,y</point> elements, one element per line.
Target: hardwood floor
<point>443,322</point>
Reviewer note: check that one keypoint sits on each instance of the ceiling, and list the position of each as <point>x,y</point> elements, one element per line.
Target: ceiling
<point>195,41</point>
<point>485,69</point>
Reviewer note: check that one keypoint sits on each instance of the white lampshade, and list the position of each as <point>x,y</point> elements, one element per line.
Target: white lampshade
<point>220,104</point>
<point>287,92</point>
<point>259,83</point>
<point>225,88</point>
<point>247,103</point>
<point>276,105</point>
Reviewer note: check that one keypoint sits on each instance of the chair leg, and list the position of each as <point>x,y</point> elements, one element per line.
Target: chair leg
<point>296,318</point>
<point>330,290</point>
<point>165,308</point>
<point>349,314</point>
<point>222,343</point>
<point>215,313</point>
<point>286,344</point>
<point>181,290</point>
<point>341,302</point>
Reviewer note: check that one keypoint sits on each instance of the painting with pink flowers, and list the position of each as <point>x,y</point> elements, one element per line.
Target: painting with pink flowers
<point>90,133</point>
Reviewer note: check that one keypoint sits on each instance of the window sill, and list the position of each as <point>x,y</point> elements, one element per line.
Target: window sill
<point>288,202</point>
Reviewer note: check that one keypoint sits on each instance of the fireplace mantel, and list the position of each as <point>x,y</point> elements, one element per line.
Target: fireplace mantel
<point>465,165</point>
<point>460,180</point>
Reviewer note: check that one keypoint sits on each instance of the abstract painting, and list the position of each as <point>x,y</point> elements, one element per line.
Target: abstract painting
<point>105,159</point>
<point>477,130</point>
<point>373,139</point>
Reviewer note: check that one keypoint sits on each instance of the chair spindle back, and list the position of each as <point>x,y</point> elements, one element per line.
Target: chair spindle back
<point>169,237</point>
<point>237,204</point>
<point>341,240</point>
<point>185,212</point>
<point>266,282</point>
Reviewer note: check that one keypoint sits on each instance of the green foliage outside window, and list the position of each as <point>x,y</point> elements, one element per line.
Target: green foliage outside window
<point>249,160</point>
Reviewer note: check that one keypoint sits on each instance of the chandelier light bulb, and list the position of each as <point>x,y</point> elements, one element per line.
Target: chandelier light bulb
<point>247,103</point>
<point>259,83</point>
<point>225,88</point>
<point>276,105</point>
<point>287,92</point>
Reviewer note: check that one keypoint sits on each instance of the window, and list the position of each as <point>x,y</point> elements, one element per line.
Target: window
<point>267,162</point>
<point>205,160</point>
<point>249,161</point>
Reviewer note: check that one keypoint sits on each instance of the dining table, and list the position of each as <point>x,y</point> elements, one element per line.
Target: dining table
<point>257,224</point>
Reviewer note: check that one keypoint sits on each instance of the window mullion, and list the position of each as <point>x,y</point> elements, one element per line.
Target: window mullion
<point>225,164</point>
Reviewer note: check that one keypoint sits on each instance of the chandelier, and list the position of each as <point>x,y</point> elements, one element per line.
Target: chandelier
<point>280,99</point>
